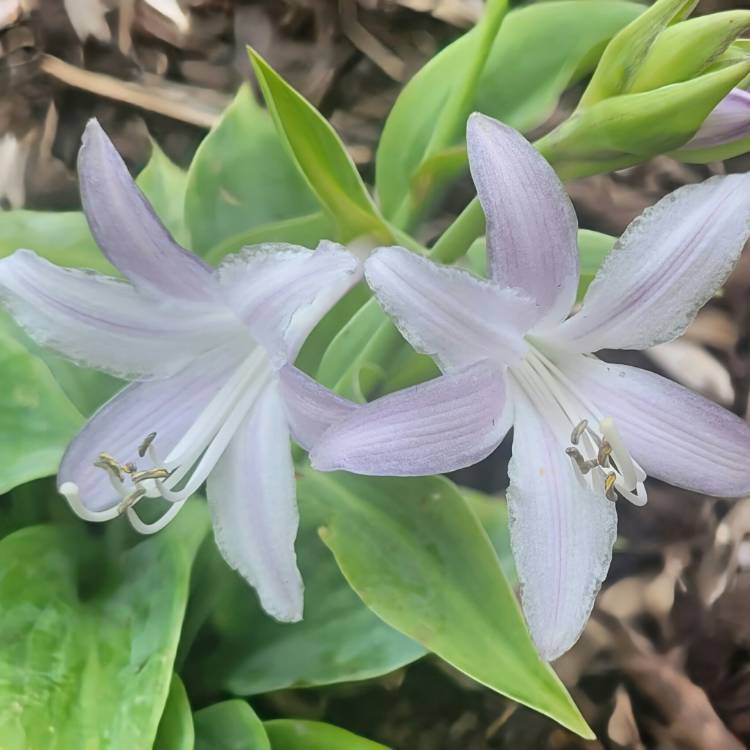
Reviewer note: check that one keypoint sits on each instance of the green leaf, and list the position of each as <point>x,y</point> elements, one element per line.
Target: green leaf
<point>231,725</point>
<point>295,734</point>
<point>405,546</point>
<point>36,419</point>
<point>450,121</point>
<point>87,641</point>
<point>367,334</point>
<point>164,184</point>
<point>176,730</point>
<point>321,157</point>
<point>242,179</point>
<point>593,248</point>
<point>318,342</point>
<point>306,230</point>
<point>338,640</point>
<point>526,75</point>
<point>62,237</point>
<point>521,83</point>
<point>492,513</point>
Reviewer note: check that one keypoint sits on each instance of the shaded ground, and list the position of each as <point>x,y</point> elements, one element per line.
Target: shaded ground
<point>664,662</point>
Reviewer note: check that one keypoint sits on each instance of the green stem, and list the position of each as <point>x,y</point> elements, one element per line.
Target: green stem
<point>457,238</point>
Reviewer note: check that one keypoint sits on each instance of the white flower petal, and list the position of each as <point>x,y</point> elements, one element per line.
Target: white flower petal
<point>449,313</point>
<point>282,291</point>
<point>167,407</point>
<point>664,268</point>
<point>104,323</point>
<point>126,228</point>
<point>561,534</point>
<point>311,408</point>
<point>442,425</point>
<point>674,434</point>
<point>531,223</point>
<point>251,493</point>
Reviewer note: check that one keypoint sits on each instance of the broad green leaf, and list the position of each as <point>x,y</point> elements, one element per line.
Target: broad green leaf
<point>164,184</point>
<point>321,157</point>
<point>367,333</point>
<point>338,640</point>
<point>522,81</point>
<point>87,639</point>
<point>31,504</point>
<point>295,734</point>
<point>450,121</point>
<point>526,75</point>
<point>318,342</point>
<point>36,419</point>
<point>242,179</point>
<point>492,513</point>
<point>306,230</point>
<point>418,557</point>
<point>176,730</point>
<point>62,237</point>
<point>593,248</point>
<point>231,725</point>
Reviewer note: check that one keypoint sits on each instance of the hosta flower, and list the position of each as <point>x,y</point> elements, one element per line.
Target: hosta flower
<point>586,433</point>
<point>203,347</point>
<point>728,122</point>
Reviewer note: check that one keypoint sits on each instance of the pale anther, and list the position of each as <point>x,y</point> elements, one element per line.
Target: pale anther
<point>605,451</point>
<point>609,484</point>
<point>584,466</point>
<point>144,446</point>
<point>108,463</point>
<point>158,473</point>
<point>578,431</point>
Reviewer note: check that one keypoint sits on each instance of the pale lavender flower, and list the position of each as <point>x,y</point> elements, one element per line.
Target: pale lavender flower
<point>586,432</point>
<point>204,347</point>
<point>728,122</point>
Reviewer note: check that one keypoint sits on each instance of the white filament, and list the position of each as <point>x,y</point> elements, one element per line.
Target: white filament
<point>563,407</point>
<point>195,454</point>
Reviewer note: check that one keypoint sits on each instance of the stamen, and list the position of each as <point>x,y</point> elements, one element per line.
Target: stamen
<point>611,469</point>
<point>578,431</point>
<point>130,500</point>
<point>129,468</point>
<point>609,484</point>
<point>158,473</point>
<point>108,463</point>
<point>584,466</point>
<point>620,453</point>
<point>144,446</point>
<point>605,451</point>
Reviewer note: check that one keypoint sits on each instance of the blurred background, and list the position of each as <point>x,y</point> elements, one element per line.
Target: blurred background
<point>665,660</point>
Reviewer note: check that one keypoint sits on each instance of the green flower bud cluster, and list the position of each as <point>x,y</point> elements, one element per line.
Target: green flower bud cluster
<point>657,82</point>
